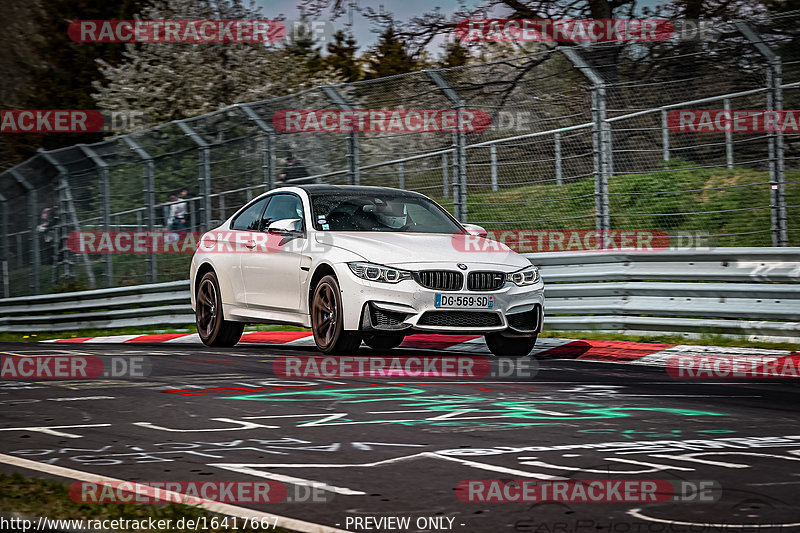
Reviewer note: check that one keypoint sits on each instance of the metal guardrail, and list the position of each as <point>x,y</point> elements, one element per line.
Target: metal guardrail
<point>724,291</point>
<point>138,305</point>
<point>741,292</point>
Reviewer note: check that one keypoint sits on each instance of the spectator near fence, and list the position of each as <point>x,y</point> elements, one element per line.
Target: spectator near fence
<point>186,196</point>
<point>294,170</point>
<point>48,220</point>
<point>177,214</point>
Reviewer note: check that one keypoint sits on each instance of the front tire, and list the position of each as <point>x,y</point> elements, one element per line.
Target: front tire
<point>327,319</point>
<point>213,329</point>
<point>509,346</point>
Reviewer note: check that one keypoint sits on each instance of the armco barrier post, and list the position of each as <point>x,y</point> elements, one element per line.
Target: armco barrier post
<point>777,174</point>
<point>353,161</point>
<point>459,147</point>
<point>150,200</point>
<point>204,174</point>
<point>601,137</point>
<point>105,194</point>
<point>33,205</point>
<point>268,135</point>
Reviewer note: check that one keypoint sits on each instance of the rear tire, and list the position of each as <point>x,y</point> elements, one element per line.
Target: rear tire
<point>509,346</point>
<point>327,319</point>
<point>213,329</point>
<point>383,343</point>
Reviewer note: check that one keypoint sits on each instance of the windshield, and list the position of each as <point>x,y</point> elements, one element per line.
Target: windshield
<point>381,211</point>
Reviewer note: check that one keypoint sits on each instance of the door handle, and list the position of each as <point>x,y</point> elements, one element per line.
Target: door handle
<point>250,244</point>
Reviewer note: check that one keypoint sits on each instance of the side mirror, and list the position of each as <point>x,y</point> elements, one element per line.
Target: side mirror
<point>287,226</point>
<point>474,229</point>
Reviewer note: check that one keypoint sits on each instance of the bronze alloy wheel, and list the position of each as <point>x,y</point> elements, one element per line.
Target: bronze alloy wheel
<point>327,321</point>
<point>206,308</point>
<point>213,329</point>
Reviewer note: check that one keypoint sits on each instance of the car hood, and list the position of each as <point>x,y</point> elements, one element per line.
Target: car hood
<point>405,250</point>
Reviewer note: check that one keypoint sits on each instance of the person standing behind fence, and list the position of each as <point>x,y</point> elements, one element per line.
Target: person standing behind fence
<point>189,214</point>
<point>294,170</point>
<point>46,228</point>
<point>177,214</point>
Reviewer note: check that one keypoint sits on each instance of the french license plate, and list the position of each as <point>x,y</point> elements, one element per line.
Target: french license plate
<point>464,302</point>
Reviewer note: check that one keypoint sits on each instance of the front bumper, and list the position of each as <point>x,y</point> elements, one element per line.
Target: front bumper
<point>407,307</point>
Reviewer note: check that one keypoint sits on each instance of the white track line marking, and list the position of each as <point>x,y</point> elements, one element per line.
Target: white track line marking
<point>637,514</point>
<point>430,455</point>
<point>290,479</point>
<point>51,430</point>
<point>212,506</point>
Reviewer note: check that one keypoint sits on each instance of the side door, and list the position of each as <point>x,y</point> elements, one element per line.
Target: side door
<point>271,273</point>
<point>243,227</point>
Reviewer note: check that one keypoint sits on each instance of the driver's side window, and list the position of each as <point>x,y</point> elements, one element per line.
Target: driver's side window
<point>282,207</point>
<point>248,219</point>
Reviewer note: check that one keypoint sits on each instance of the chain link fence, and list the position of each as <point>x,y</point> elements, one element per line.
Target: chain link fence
<point>580,138</point>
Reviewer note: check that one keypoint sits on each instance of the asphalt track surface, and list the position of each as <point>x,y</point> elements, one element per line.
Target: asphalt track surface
<point>399,447</point>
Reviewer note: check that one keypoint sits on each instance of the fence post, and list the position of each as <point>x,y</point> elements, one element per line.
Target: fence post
<point>70,212</point>
<point>726,104</point>
<point>777,174</point>
<point>63,231</point>
<point>204,176</point>
<point>401,176</point>
<point>780,172</point>
<point>354,164</point>
<point>493,165</point>
<point>20,262</point>
<point>6,286</point>
<point>459,147</point>
<point>445,178</point>
<point>150,200</point>
<point>664,135</point>
<point>269,144</point>
<point>5,255</point>
<point>33,220</point>
<point>557,158</point>
<point>601,137</point>
<point>106,196</point>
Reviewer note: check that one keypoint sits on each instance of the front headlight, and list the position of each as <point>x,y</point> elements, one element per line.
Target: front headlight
<point>526,276</point>
<point>373,272</point>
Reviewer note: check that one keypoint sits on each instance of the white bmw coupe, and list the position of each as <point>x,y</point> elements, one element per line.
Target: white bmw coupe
<point>355,264</point>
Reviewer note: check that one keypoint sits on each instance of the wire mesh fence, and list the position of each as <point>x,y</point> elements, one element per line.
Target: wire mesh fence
<point>578,138</point>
